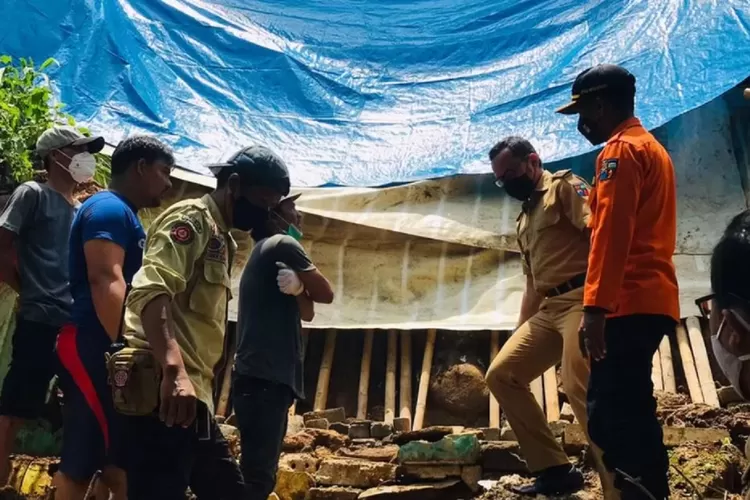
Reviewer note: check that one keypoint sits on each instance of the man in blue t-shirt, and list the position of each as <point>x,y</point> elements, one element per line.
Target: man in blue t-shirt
<point>106,249</point>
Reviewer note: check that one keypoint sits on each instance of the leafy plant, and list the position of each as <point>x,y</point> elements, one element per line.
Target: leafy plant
<point>27,108</point>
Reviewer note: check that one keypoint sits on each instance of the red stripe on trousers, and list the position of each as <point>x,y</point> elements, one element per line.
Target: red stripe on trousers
<point>67,351</point>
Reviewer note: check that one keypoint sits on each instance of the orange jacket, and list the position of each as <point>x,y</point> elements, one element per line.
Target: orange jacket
<point>634,227</point>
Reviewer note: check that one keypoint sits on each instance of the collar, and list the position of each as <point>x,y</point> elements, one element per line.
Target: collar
<point>629,123</point>
<point>213,209</point>
<point>542,186</point>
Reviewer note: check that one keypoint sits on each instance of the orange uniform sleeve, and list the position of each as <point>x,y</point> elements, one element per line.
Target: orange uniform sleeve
<point>619,172</point>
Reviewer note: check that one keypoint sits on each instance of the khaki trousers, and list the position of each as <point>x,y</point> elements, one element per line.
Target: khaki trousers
<point>548,337</point>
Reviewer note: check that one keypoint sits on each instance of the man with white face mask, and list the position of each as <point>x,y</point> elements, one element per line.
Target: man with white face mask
<point>728,308</point>
<point>34,230</point>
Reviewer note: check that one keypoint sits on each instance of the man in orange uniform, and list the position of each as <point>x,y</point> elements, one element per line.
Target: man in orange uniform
<point>630,297</point>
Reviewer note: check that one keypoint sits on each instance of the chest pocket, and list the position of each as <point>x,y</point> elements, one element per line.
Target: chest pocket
<point>545,216</point>
<point>212,291</point>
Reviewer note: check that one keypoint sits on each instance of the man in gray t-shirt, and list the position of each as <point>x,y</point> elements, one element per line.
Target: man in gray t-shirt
<point>277,289</point>
<point>34,229</point>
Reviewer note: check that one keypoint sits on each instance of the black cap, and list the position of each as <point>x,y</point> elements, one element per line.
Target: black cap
<point>609,78</point>
<point>259,166</point>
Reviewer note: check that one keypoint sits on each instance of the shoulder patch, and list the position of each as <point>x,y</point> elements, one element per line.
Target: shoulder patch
<point>609,168</point>
<point>216,250</point>
<point>181,232</point>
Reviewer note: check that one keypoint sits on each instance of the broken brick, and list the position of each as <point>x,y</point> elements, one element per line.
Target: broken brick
<point>292,485</point>
<point>354,473</point>
<point>503,456</point>
<point>430,434</point>
<point>458,449</point>
<point>428,491</point>
<point>333,415</point>
<point>340,427</point>
<point>673,436</point>
<point>411,472</point>
<point>300,462</point>
<point>333,493</point>
<point>318,423</point>
<point>359,430</point>
<point>471,475</point>
<point>380,430</point>
<point>490,434</point>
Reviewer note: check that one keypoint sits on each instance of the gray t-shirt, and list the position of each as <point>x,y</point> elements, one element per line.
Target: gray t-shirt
<point>269,331</point>
<point>40,217</point>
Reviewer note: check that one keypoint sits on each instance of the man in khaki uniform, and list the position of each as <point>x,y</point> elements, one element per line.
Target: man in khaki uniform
<point>554,244</point>
<point>178,308</point>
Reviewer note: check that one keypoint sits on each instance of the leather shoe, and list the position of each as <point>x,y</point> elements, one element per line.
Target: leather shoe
<point>557,480</point>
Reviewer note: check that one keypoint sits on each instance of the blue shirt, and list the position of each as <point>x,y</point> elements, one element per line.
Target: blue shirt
<point>105,216</point>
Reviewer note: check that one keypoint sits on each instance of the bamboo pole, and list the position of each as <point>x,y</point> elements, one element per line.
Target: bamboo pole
<point>226,388</point>
<point>424,380</point>
<point>390,377</point>
<point>494,405</point>
<point>667,367</point>
<point>324,374</point>
<point>688,365</point>
<point>405,389</point>
<point>551,400</point>
<point>656,375</point>
<point>702,365</point>
<point>364,376</point>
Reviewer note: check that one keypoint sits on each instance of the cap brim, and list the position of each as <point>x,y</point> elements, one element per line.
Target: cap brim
<point>292,197</point>
<point>569,109</point>
<point>94,144</point>
<point>215,167</point>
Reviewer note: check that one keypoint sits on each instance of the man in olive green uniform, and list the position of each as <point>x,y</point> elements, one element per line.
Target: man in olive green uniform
<point>178,308</point>
<point>554,242</point>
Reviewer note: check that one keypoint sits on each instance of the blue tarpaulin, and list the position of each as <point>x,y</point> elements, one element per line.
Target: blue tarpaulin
<point>370,92</point>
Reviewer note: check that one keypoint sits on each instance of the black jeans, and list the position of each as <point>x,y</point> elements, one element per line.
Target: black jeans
<point>163,461</point>
<point>622,408</point>
<point>262,410</point>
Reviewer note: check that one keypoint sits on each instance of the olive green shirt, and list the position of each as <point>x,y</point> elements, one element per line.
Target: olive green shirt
<point>188,256</point>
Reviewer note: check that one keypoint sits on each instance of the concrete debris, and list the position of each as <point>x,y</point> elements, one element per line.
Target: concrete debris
<point>490,434</point>
<point>359,430</point>
<point>673,436</point>
<point>340,427</point>
<point>292,485</point>
<point>458,449</point>
<point>401,424</point>
<point>471,475</point>
<point>333,493</point>
<point>503,456</point>
<point>728,395</point>
<point>295,424</point>
<point>386,453</point>
<point>318,423</point>
<point>566,413</point>
<point>309,439</point>
<point>333,415</point>
<point>444,490</point>
<point>430,434</point>
<point>411,473</point>
<point>354,473</point>
<point>558,427</point>
<point>380,430</point>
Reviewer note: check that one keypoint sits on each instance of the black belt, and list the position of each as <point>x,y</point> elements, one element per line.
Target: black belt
<point>571,284</point>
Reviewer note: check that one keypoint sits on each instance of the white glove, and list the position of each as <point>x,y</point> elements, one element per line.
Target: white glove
<point>288,281</point>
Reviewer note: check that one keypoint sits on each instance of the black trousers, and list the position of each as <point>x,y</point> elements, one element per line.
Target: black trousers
<point>622,408</point>
<point>262,410</point>
<point>163,461</point>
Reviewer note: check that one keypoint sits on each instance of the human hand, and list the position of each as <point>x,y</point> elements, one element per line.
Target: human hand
<point>288,281</point>
<point>591,335</point>
<point>178,399</point>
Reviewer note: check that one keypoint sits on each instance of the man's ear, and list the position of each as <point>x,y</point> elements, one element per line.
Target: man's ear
<point>234,186</point>
<point>534,159</point>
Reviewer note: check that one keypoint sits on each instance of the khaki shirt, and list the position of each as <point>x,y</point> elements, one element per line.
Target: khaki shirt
<point>552,231</point>
<point>188,256</point>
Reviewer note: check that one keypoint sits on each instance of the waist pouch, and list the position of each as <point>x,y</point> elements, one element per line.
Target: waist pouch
<point>135,378</point>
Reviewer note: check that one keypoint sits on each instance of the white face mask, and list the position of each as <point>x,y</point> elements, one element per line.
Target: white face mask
<point>730,364</point>
<point>82,166</point>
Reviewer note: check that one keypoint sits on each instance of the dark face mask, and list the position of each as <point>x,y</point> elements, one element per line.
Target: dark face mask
<point>520,187</point>
<point>247,217</point>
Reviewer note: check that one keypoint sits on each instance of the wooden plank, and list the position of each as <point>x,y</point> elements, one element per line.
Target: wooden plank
<point>688,365</point>
<point>324,374</point>
<point>702,365</point>
<point>424,380</point>
<point>405,387</point>
<point>551,401</point>
<point>226,388</point>
<point>656,376</point>
<point>673,436</point>
<point>364,376</point>
<point>537,389</point>
<point>390,377</point>
<point>494,405</point>
<point>667,368</point>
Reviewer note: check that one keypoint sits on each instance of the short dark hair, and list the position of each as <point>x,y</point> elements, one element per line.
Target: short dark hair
<point>623,102</point>
<point>139,147</point>
<point>730,272</point>
<point>519,147</point>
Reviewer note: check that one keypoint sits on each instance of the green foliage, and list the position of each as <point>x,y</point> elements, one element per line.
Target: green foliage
<point>27,109</point>
<point>103,170</point>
